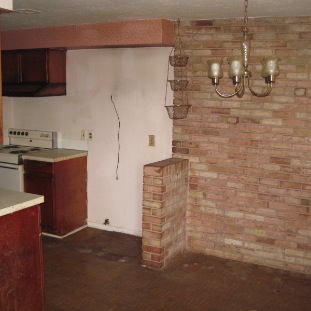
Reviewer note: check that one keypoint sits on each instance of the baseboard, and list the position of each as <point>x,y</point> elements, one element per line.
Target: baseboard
<point>63,236</point>
<point>112,228</point>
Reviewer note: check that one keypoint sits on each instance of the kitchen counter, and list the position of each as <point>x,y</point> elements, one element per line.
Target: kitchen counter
<point>13,201</point>
<point>54,155</point>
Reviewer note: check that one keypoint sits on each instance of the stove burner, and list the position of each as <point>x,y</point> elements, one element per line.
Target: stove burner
<point>35,149</point>
<point>18,151</point>
<point>10,147</point>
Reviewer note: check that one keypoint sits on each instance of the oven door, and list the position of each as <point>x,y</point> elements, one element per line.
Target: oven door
<point>12,176</point>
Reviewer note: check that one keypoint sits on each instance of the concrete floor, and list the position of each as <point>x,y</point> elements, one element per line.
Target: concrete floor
<point>95,270</point>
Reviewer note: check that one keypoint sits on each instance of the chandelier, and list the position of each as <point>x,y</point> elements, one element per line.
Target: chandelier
<point>239,72</point>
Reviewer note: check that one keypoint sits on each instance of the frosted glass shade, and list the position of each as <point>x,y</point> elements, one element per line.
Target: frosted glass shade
<point>215,70</point>
<point>270,66</point>
<point>236,67</point>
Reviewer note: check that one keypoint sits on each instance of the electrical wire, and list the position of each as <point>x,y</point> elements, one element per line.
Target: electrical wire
<point>117,177</point>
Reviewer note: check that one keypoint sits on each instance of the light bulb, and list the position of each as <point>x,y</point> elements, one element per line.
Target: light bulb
<point>270,66</point>
<point>215,70</point>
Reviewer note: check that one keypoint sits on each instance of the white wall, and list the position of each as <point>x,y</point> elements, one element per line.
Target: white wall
<point>136,78</point>
<point>6,4</point>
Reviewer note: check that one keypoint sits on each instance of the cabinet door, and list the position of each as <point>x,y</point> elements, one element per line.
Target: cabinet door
<point>21,264</point>
<point>33,66</point>
<point>10,67</point>
<point>43,185</point>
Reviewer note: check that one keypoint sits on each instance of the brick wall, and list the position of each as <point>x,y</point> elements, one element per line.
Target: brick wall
<point>250,158</point>
<point>164,211</point>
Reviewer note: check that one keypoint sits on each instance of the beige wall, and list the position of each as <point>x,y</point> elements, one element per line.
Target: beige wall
<point>6,4</point>
<point>250,158</point>
<point>136,80</point>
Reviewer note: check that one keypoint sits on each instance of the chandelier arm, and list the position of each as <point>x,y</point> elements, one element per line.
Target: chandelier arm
<point>240,94</point>
<point>265,93</point>
<point>241,91</point>
<point>228,95</point>
<point>239,67</point>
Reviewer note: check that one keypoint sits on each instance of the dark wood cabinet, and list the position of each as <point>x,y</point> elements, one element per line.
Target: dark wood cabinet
<point>10,62</point>
<point>64,187</point>
<point>45,185</point>
<point>39,72</point>
<point>34,66</point>
<point>21,264</point>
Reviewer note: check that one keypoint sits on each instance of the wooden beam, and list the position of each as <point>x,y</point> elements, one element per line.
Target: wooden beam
<point>139,33</point>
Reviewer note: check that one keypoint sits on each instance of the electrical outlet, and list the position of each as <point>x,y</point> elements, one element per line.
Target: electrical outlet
<point>83,135</point>
<point>151,140</point>
<point>86,135</point>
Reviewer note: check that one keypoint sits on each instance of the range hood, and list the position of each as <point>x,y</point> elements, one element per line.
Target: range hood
<point>34,90</point>
<point>34,73</point>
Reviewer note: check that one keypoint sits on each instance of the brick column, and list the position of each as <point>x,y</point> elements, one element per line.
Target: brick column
<point>164,211</point>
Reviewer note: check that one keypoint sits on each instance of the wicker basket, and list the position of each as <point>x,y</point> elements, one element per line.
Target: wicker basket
<point>178,85</point>
<point>178,111</point>
<point>178,60</point>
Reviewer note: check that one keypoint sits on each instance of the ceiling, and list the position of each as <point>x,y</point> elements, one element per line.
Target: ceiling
<point>69,12</point>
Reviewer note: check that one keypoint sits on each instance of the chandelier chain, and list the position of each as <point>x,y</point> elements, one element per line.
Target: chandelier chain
<point>239,72</point>
<point>245,16</point>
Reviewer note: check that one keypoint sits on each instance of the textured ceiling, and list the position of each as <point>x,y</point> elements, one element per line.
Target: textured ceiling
<point>66,12</point>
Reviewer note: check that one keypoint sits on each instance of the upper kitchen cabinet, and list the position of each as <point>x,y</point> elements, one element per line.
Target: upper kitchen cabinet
<point>39,72</point>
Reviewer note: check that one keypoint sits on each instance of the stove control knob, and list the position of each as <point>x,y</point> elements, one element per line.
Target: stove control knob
<point>11,132</point>
<point>22,133</point>
<point>26,133</point>
<point>18,133</point>
<point>14,133</point>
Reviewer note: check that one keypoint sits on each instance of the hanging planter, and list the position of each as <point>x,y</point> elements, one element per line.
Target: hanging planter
<point>178,84</point>
<point>177,111</point>
<point>178,60</point>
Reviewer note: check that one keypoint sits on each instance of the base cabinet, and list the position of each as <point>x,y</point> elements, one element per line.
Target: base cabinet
<point>21,263</point>
<point>64,187</point>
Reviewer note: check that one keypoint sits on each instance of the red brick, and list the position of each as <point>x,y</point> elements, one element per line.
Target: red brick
<point>149,188</point>
<point>152,171</point>
<point>287,184</point>
<point>168,210</point>
<point>151,249</point>
<point>153,264</point>
<point>220,110</point>
<point>257,148</point>
<point>284,161</point>
<point>158,257</point>
<point>153,220</point>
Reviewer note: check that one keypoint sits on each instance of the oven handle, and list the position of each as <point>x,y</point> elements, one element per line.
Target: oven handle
<point>8,167</point>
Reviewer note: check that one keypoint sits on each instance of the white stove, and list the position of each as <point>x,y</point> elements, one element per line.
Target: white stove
<point>24,141</point>
<point>13,153</point>
<point>21,141</point>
